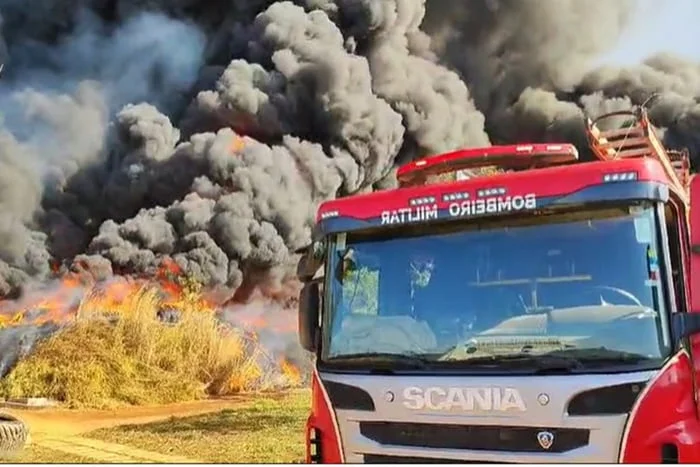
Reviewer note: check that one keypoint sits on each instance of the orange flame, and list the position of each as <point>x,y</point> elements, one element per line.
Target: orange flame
<point>75,294</point>
<point>167,276</point>
<point>63,301</point>
<point>290,372</point>
<point>237,144</point>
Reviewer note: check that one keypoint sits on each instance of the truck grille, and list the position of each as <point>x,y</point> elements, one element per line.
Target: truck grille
<point>382,459</point>
<point>483,438</point>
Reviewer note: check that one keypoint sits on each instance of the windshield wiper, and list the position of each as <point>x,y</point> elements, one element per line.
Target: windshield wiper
<point>540,363</point>
<point>600,355</point>
<point>558,361</point>
<point>380,360</point>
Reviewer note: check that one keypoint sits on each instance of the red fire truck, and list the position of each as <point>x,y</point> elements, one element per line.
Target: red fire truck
<point>544,312</point>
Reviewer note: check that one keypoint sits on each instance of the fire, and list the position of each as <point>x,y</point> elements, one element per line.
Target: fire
<point>73,293</point>
<point>75,297</point>
<point>258,323</point>
<point>237,144</point>
<point>11,320</point>
<point>167,275</point>
<point>53,306</point>
<point>272,325</point>
<point>290,372</point>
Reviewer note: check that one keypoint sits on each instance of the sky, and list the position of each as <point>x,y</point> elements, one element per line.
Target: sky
<point>659,26</point>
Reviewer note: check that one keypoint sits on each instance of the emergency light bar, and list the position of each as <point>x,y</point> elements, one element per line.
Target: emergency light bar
<point>511,157</point>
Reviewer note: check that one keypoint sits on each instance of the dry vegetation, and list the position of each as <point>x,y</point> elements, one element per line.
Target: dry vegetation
<point>40,455</point>
<point>119,352</point>
<point>266,429</point>
<point>269,430</point>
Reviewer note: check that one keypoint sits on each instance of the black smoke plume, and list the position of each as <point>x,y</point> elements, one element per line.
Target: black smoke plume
<point>207,131</point>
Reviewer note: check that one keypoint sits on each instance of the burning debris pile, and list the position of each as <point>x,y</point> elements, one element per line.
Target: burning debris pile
<point>134,341</point>
<point>203,134</point>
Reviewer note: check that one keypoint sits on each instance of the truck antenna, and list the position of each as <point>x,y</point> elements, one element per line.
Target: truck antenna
<point>631,126</point>
<point>652,97</point>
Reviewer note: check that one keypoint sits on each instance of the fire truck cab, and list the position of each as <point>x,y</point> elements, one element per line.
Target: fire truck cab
<point>547,311</point>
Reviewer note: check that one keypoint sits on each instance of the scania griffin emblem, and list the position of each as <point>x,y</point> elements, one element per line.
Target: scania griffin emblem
<point>543,399</point>
<point>546,439</point>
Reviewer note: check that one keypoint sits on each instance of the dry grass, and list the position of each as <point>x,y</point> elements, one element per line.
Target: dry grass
<point>119,352</point>
<point>39,455</point>
<point>268,430</point>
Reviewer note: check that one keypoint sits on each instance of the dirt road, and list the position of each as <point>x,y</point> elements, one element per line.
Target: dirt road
<point>64,430</point>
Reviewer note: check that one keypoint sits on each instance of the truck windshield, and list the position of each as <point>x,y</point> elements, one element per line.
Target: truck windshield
<point>578,290</point>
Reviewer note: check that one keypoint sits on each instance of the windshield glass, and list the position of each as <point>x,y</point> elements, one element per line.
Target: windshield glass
<point>584,286</point>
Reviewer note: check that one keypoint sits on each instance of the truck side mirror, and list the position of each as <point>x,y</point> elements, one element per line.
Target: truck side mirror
<point>311,260</point>
<point>346,264</point>
<point>685,324</point>
<point>309,307</point>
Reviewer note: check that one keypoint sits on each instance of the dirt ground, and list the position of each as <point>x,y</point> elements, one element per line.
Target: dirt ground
<point>65,422</point>
<point>63,430</point>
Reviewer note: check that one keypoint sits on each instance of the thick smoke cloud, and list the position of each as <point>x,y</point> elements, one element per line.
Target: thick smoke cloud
<point>207,132</point>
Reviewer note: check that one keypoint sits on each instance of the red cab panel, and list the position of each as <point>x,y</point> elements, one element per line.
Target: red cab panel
<point>664,421</point>
<point>322,433</point>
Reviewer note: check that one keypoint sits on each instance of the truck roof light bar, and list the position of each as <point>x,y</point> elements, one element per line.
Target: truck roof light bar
<point>620,177</point>
<point>491,192</point>
<point>510,157</point>
<point>455,196</point>
<point>422,201</point>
